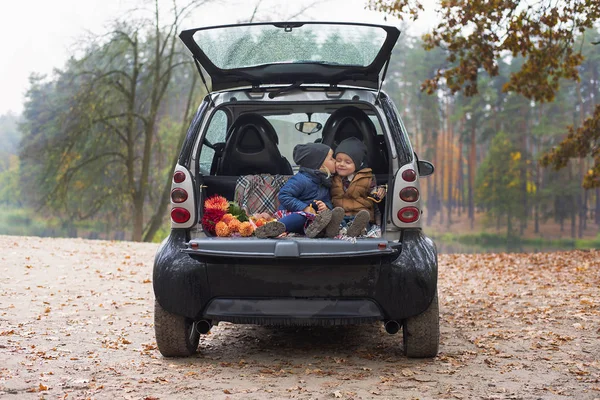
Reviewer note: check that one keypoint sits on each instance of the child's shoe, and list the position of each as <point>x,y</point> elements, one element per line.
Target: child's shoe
<point>318,224</point>
<point>270,230</point>
<point>359,224</point>
<point>333,227</point>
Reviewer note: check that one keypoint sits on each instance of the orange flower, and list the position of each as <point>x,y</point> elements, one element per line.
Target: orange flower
<point>234,225</point>
<point>217,202</point>
<point>227,218</point>
<point>246,229</point>
<point>222,229</point>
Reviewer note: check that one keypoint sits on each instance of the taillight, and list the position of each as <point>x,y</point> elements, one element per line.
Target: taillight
<point>409,194</point>
<point>179,176</point>
<point>408,214</point>
<point>409,175</point>
<point>180,215</point>
<point>178,195</point>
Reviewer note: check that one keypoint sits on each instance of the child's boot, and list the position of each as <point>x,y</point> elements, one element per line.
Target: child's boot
<point>318,224</point>
<point>333,227</point>
<point>359,224</point>
<point>270,230</point>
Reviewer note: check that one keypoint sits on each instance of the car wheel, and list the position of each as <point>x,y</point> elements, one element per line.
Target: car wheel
<point>176,336</point>
<point>421,333</point>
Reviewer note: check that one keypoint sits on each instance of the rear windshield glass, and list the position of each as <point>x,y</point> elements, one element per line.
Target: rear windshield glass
<point>288,136</point>
<point>235,47</point>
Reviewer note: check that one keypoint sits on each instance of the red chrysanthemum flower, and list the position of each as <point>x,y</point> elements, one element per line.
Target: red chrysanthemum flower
<point>210,218</point>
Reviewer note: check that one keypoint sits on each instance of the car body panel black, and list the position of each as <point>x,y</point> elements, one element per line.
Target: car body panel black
<point>402,285</point>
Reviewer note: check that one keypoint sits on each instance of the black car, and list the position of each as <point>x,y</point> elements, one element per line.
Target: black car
<point>270,87</point>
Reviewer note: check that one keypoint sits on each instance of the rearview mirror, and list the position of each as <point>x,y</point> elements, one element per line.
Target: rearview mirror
<point>425,168</point>
<point>308,127</point>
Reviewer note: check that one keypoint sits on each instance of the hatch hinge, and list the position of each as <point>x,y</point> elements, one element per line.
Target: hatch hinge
<point>203,80</point>
<point>385,67</point>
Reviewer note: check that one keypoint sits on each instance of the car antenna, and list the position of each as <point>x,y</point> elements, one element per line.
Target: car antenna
<point>203,80</point>
<point>385,67</point>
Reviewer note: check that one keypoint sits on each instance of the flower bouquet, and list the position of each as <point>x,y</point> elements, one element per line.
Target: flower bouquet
<point>225,218</point>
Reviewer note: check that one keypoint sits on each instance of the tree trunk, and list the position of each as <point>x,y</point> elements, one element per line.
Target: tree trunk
<point>597,213</point>
<point>137,205</point>
<point>450,155</point>
<point>443,167</point>
<point>582,196</point>
<point>472,166</point>
<point>138,217</point>
<point>536,218</point>
<point>461,178</point>
<point>524,150</point>
<point>593,105</point>
<point>157,219</point>
<point>538,182</point>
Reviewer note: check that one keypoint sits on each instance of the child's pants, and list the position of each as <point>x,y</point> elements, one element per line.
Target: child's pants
<point>294,223</point>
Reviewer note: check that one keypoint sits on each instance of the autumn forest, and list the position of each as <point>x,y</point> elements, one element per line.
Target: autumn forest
<point>511,164</point>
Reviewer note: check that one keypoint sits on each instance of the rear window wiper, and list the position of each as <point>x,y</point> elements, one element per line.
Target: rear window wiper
<point>295,85</point>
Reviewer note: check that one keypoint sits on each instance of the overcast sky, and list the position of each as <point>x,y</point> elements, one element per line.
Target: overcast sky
<point>39,35</point>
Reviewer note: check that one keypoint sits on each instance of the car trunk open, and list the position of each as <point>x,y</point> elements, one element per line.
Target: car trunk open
<point>290,53</point>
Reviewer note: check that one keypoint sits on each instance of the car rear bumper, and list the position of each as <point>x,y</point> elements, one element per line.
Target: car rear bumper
<point>301,291</point>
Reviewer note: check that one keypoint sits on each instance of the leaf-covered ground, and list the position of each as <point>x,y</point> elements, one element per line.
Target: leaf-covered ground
<point>76,322</point>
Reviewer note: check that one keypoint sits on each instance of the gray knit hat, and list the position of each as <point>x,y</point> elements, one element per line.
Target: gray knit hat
<point>355,149</point>
<point>310,155</point>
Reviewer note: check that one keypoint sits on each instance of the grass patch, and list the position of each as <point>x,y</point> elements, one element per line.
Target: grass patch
<point>28,222</point>
<point>485,241</point>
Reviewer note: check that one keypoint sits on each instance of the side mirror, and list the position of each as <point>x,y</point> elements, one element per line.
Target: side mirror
<point>425,168</point>
<point>309,127</point>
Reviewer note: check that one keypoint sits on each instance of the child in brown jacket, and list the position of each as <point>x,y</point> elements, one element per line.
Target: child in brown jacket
<point>352,186</point>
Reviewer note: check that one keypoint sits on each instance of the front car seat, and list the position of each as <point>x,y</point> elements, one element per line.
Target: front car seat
<point>350,121</point>
<point>251,149</point>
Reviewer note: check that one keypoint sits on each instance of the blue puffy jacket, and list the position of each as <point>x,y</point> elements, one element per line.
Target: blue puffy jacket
<point>302,189</point>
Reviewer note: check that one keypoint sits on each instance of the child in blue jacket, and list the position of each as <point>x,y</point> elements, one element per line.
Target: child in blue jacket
<point>305,202</point>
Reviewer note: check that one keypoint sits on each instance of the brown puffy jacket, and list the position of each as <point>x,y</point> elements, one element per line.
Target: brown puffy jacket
<point>355,198</point>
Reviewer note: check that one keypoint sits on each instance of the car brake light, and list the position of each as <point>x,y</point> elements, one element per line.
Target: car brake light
<point>179,195</point>
<point>409,194</point>
<point>408,214</point>
<point>409,175</point>
<point>180,215</point>
<point>179,177</point>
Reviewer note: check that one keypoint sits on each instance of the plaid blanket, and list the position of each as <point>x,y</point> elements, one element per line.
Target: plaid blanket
<point>259,193</point>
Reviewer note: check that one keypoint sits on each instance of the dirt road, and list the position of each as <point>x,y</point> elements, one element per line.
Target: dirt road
<point>76,322</point>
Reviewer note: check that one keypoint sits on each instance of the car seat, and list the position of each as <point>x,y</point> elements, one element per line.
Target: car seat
<point>251,148</point>
<point>350,121</point>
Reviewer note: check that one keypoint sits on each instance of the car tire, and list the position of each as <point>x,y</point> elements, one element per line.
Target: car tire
<point>176,336</point>
<point>421,333</point>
